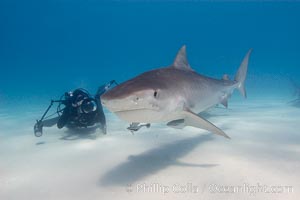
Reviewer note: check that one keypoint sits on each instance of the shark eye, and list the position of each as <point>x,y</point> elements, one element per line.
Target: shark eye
<point>155,94</point>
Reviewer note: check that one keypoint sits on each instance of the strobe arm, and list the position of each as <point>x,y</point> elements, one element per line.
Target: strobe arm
<point>104,88</point>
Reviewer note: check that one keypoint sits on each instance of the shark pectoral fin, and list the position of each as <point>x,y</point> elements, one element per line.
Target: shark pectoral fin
<point>192,119</point>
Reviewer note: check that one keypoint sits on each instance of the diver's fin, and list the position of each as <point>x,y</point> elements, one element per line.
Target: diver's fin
<point>241,74</point>
<point>181,61</point>
<point>192,119</point>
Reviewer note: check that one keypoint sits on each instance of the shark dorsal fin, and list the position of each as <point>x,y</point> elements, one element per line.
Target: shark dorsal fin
<point>181,61</point>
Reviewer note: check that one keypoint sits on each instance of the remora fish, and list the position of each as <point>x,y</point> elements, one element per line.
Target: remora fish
<point>174,94</point>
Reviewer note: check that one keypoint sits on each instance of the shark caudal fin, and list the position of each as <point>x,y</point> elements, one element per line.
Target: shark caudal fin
<point>241,74</point>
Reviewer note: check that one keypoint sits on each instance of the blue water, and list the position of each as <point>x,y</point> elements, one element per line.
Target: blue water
<point>48,47</point>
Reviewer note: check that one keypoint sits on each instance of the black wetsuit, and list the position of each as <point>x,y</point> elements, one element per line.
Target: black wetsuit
<point>73,114</point>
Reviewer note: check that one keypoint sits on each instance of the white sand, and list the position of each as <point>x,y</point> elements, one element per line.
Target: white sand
<point>155,163</point>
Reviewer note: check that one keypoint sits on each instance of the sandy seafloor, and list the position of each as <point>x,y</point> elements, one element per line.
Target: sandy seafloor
<point>156,163</point>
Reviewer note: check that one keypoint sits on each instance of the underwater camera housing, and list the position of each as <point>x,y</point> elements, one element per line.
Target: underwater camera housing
<point>76,109</point>
<point>38,128</point>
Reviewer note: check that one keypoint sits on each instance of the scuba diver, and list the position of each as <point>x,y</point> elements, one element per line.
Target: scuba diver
<point>80,110</point>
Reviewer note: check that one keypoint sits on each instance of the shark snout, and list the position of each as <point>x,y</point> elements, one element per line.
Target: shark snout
<point>103,102</point>
<point>106,100</point>
<point>103,99</point>
<point>115,104</point>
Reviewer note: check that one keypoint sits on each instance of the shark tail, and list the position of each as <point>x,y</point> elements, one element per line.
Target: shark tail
<point>241,74</point>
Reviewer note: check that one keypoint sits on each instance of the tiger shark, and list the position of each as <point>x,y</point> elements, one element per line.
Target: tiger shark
<point>174,95</point>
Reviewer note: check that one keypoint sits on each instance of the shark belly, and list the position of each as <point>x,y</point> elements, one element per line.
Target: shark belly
<point>146,116</point>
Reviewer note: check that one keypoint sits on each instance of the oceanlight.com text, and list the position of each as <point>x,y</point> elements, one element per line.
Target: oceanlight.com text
<point>212,188</point>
